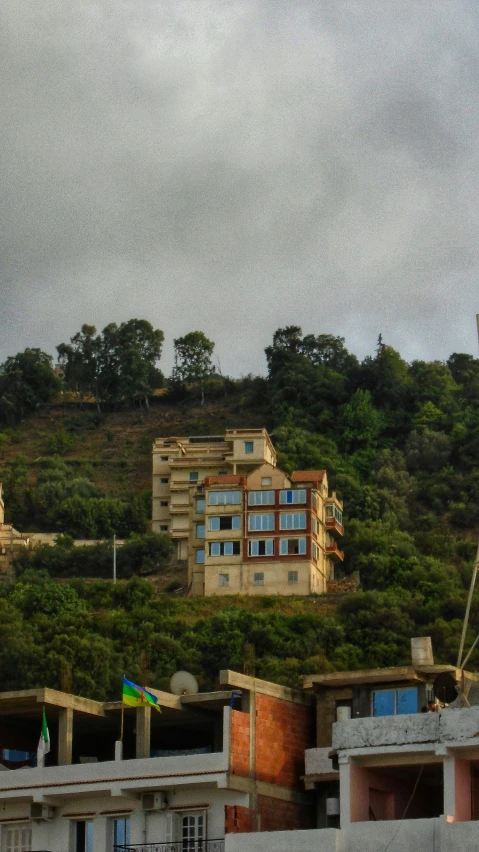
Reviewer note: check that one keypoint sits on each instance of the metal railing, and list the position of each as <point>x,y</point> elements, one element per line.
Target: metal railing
<point>180,846</point>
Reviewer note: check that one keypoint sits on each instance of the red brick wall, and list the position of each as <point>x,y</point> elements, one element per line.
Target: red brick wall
<point>238,819</point>
<point>283,731</point>
<point>276,815</point>
<point>239,760</point>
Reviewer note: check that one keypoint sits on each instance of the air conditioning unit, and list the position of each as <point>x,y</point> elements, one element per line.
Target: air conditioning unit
<point>153,802</point>
<point>332,807</point>
<point>43,813</point>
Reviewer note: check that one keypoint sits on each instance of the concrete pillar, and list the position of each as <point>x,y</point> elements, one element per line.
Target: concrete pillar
<point>344,791</point>
<point>143,726</point>
<point>65,736</point>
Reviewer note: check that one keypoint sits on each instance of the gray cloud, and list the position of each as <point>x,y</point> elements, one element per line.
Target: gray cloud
<point>241,166</point>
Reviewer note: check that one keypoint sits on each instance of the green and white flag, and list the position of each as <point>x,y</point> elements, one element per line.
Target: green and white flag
<point>43,742</point>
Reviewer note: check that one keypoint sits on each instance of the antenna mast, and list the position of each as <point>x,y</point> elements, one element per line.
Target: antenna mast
<point>460,660</point>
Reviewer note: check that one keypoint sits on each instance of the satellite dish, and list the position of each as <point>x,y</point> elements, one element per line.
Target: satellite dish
<point>445,688</point>
<point>184,683</point>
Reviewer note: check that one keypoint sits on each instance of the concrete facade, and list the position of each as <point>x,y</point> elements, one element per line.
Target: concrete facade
<point>241,524</point>
<point>233,770</point>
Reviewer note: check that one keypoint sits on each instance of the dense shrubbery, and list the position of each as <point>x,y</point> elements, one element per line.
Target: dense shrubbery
<point>400,443</point>
<point>140,554</point>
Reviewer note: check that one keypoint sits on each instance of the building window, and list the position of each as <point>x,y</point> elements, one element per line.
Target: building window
<point>315,526</point>
<point>266,480</point>
<point>193,832</point>
<point>121,831</point>
<point>261,547</point>
<point>164,458</point>
<point>200,530</point>
<point>84,836</point>
<point>292,546</point>
<point>297,496</point>
<point>223,473</point>
<point>332,512</point>
<point>224,522</point>
<point>394,702</point>
<point>248,446</point>
<point>315,550</point>
<point>292,576</point>
<point>260,522</point>
<point>200,556</point>
<point>163,527</point>
<point>17,838</point>
<point>258,579</point>
<point>164,480</point>
<point>224,548</point>
<point>261,498</point>
<point>223,580</point>
<point>163,502</point>
<point>224,498</point>
<point>200,505</point>
<point>193,476</point>
<point>292,521</point>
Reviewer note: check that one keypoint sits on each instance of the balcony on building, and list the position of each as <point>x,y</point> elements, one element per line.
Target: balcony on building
<point>188,740</point>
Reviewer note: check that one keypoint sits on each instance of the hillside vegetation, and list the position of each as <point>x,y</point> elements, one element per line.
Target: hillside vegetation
<point>400,443</point>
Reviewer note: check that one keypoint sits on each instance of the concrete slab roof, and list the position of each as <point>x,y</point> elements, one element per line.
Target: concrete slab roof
<point>27,700</point>
<point>396,674</point>
<point>253,684</point>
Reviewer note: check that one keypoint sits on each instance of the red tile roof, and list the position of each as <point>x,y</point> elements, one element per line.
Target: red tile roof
<point>226,479</point>
<point>307,475</point>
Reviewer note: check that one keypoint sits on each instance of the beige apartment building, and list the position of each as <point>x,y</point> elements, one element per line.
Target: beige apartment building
<point>241,524</point>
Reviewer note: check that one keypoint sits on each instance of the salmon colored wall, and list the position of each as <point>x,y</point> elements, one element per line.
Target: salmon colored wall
<point>238,819</point>
<point>240,743</point>
<point>462,783</point>
<point>276,815</point>
<point>283,731</point>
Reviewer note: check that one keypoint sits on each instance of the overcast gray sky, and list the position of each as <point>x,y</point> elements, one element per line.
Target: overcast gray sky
<point>239,165</point>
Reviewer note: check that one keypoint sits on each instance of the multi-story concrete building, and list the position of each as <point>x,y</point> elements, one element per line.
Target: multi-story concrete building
<point>243,525</point>
<point>210,764</point>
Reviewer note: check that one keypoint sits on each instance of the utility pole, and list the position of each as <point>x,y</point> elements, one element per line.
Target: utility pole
<point>460,659</point>
<point>114,558</point>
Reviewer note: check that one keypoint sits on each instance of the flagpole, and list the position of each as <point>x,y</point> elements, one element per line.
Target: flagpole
<point>122,720</point>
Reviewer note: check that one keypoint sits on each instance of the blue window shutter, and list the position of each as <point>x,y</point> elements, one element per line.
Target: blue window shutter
<point>384,702</point>
<point>407,701</point>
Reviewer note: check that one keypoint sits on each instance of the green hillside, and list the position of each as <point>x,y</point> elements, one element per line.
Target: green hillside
<point>400,443</point>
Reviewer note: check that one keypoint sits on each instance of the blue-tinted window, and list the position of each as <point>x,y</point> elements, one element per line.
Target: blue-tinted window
<point>248,446</point>
<point>200,505</point>
<point>407,701</point>
<point>224,498</point>
<point>384,702</point>
<point>261,498</point>
<point>200,530</point>
<point>261,522</point>
<point>293,521</point>
<point>392,702</point>
<point>194,476</point>
<point>121,831</point>
<point>296,496</point>
<point>200,556</point>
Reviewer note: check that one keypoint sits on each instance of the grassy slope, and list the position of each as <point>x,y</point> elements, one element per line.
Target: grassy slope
<point>119,449</point>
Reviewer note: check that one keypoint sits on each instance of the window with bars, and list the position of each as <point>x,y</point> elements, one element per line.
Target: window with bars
<point>17,838</point>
